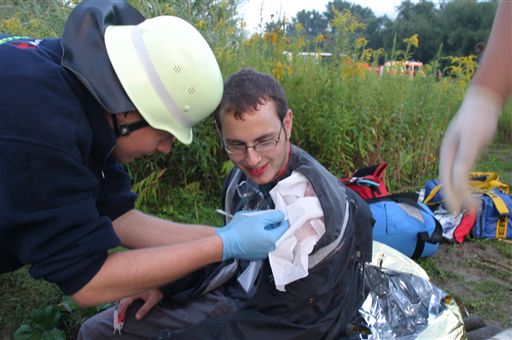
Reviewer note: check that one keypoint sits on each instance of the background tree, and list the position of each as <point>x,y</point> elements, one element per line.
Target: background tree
<point>422,19</point>
<point>456,26</point>
<point>464,23</point>
<point>313,24</point>
<point>362,15</point>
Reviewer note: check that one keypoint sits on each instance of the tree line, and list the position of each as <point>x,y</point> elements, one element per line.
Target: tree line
<point>443,27</point>
<point>446,28</point>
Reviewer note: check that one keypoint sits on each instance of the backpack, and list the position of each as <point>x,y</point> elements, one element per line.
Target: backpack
<point>455,228</point>
<point>478,182</point>
<point>493,220</point>
<point>368,182</point>
<point>406,225</point>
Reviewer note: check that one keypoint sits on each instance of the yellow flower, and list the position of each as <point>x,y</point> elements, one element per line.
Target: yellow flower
<point>413,40</point>
<point>12,25</point>
<point>320,38</point>
<point>361,42</point>
<point>201,24</point>
<point>268,37</point>
<point>254,39</point>
<point>300,43</point>
<point>35,24</point>
<point>279,69</point>
<point>354,70</point>
<point>168,10</point>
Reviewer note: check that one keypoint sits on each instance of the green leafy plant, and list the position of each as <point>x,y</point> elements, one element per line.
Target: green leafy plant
<point>56,322</point>
<point>42,325</point>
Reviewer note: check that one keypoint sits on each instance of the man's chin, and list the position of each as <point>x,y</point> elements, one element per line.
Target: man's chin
<point>126,160</point>
<point>260,180</point>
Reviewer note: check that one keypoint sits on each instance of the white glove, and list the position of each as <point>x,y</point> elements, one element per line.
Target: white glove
<point>470,131</point>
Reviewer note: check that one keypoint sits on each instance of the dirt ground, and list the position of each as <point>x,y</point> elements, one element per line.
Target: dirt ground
<point>479,275</point>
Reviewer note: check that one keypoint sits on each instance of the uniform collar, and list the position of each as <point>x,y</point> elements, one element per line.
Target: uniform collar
<point>104,139</point>
<point>85,54</point>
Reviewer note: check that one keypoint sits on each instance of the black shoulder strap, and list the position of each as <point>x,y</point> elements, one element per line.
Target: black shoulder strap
<point>410,198</point>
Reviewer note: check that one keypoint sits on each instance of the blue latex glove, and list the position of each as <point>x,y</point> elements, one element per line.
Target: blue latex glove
<point>251,235</point>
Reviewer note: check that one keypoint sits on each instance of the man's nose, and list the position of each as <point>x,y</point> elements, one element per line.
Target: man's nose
<point>252,157</point>
<point>166,146</point>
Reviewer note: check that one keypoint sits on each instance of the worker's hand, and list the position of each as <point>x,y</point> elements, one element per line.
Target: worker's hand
<point>251,235</point>
<point>470,131</point>
<point>151,298</point>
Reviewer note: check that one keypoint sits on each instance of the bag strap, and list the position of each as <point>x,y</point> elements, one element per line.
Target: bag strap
<point>411,198</point>
<point>421,239</point>
<point>379,172</point>
<point>482,176</point>
<point>480,181</point>
<point>403,197</point>
<point>483,187</point>
<point>372,170</point>
<point>503,211</point>
<point>498,202</point>
<point>431,195</point>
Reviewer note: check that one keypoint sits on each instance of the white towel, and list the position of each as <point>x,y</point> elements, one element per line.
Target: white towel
<point>296,198</point>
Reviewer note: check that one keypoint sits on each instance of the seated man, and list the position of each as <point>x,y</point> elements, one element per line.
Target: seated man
<point>241,299</point>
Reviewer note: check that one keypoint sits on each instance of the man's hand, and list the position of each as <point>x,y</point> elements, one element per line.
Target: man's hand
<point>252,235</point>
<point>151,298</point>
<point>471,130</point>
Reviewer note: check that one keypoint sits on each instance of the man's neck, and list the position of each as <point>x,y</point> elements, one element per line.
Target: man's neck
<point>284,168</point>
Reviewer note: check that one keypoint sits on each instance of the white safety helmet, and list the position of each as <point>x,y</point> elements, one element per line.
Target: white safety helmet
<point>168,71</point>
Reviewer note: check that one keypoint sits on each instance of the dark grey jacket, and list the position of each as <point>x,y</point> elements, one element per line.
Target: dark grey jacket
<point>319,306</point>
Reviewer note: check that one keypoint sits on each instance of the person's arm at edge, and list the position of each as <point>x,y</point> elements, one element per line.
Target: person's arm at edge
<point>139,230</point>
<point>495,70</point>
<point>474,126</point>
<point>134,271</point>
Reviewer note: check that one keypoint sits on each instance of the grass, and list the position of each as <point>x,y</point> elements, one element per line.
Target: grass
<point>19,294</point>
<point>436,271</point>
<point>487,302</point>
<point>481,281</point>
<point>504,249</point>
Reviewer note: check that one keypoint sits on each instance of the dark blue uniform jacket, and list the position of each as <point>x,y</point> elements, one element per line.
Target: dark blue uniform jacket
<point>60,188</point>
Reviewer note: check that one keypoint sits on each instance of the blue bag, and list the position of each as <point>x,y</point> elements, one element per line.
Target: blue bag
<point>433,196</point>
<point>406,225</point>
<point>494,220</point>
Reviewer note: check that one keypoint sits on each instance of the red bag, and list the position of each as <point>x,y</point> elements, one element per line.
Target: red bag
<point>466,224</point>
<point>368,181</point>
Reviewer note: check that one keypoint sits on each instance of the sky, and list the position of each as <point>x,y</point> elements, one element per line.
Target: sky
<point>253,11</point>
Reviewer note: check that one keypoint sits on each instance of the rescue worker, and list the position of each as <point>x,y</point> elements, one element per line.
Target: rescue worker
<point>474,125</point>
<point>239,299</point>
<point>115,88</point>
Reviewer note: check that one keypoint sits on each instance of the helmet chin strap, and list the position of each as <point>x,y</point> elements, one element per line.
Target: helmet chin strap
<point>126,129</point>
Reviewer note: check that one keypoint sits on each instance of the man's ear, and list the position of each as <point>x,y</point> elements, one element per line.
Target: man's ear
<point>288,123</point>
<point>121,117</point>
<point>115,118</point>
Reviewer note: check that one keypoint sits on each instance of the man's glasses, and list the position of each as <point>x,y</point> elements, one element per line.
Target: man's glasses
<point>265,146</point>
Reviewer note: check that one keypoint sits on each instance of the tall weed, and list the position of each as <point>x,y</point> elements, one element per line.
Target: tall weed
<point>346,115</point>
